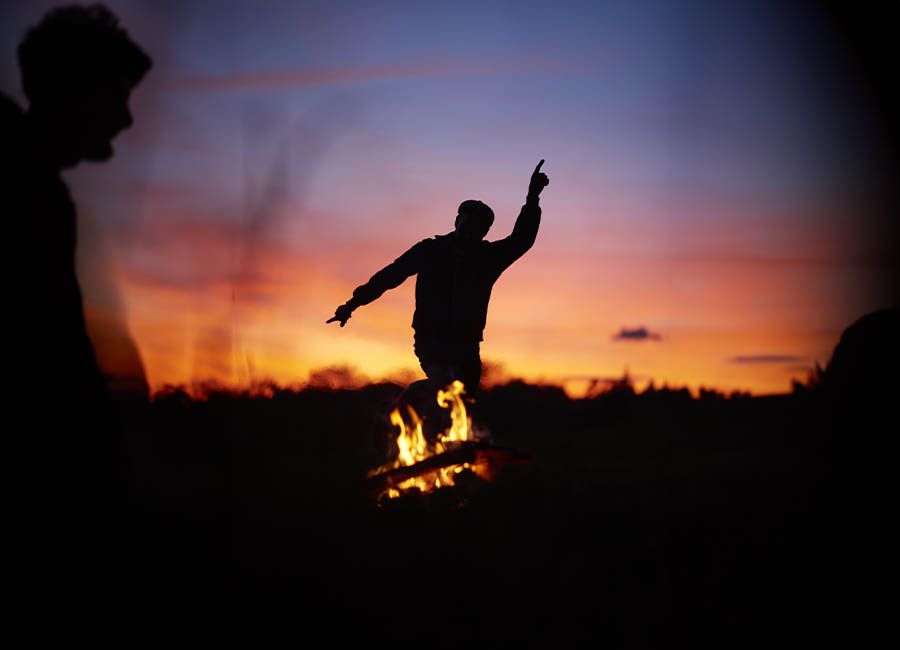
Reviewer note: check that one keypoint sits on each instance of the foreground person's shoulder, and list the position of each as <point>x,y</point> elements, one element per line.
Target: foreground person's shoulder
<point>11,118</point>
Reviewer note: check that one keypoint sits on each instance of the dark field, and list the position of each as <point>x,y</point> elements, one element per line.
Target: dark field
<point>648,520</point>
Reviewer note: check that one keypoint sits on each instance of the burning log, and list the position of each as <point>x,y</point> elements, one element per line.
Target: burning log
<point>473,452</point>
<point>427,466</point>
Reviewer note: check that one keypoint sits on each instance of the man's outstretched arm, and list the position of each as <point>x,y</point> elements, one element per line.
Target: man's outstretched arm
<point>387,278</point>
<point>525,231</point>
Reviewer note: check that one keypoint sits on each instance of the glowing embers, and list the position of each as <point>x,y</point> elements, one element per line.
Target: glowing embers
<point>426,466</point>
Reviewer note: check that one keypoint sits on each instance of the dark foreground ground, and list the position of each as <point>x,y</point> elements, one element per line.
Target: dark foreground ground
<point>644,521</point>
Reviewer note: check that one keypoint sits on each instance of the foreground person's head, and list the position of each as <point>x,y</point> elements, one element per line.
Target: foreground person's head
<point>473,221</point>
<point>78,70</point>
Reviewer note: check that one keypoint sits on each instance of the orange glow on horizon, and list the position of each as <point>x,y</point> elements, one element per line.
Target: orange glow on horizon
<point>268,322</point>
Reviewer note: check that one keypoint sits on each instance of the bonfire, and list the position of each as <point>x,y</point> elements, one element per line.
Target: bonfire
<point>424,466</point>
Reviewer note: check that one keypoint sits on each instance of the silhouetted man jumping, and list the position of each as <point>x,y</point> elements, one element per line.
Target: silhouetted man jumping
<point>456,273</point>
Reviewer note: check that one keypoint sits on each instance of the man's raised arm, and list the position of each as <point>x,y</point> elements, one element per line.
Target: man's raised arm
<point>525,231</point>
<point>387,278</point>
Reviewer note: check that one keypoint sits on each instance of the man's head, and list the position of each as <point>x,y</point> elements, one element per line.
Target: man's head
<point>78,69</point>
<point>473,221</point>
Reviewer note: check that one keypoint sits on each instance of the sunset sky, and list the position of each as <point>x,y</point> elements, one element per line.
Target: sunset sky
<point>715,179</point>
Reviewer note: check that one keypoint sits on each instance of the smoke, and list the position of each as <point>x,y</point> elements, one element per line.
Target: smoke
<point>279,158</point>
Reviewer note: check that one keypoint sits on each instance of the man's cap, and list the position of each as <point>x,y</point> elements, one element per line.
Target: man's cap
<point>479,209</point>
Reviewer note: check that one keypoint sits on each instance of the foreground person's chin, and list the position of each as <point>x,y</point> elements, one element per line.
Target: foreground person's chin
<point>99,153</point>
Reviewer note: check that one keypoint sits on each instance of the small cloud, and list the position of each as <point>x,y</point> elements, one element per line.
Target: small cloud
<point>636,334</point>
<point>766,358</point>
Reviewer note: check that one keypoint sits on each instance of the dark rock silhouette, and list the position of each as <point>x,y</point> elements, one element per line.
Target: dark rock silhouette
<point>854,402</point>
<point>866,361</point>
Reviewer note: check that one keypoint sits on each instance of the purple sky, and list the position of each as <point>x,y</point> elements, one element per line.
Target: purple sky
<point>715,178</point>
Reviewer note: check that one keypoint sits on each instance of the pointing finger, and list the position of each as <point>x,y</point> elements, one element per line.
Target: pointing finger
<point>538,168</point>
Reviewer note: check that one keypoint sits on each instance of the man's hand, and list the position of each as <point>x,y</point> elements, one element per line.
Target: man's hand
<point>341,314</point>
<point>539,181</point>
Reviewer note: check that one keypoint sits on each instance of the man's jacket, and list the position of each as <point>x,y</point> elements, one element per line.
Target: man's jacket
<point>454,283</point>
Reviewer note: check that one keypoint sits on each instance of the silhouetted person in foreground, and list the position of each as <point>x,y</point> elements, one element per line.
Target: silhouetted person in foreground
<point>78,68</point>
<point>456,273</point>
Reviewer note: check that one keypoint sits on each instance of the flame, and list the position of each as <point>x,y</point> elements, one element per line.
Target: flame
<point>411,441</point>
<point>461,423</point>
<point>412,447</point>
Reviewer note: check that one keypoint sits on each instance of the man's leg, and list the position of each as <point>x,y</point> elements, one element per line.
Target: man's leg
<point>444,362</point>
<point>467,367</point>
<point>432,358</point>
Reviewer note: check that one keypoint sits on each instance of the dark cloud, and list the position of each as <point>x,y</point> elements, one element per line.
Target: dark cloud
<point>636,334</point>
<point>766,358</point>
